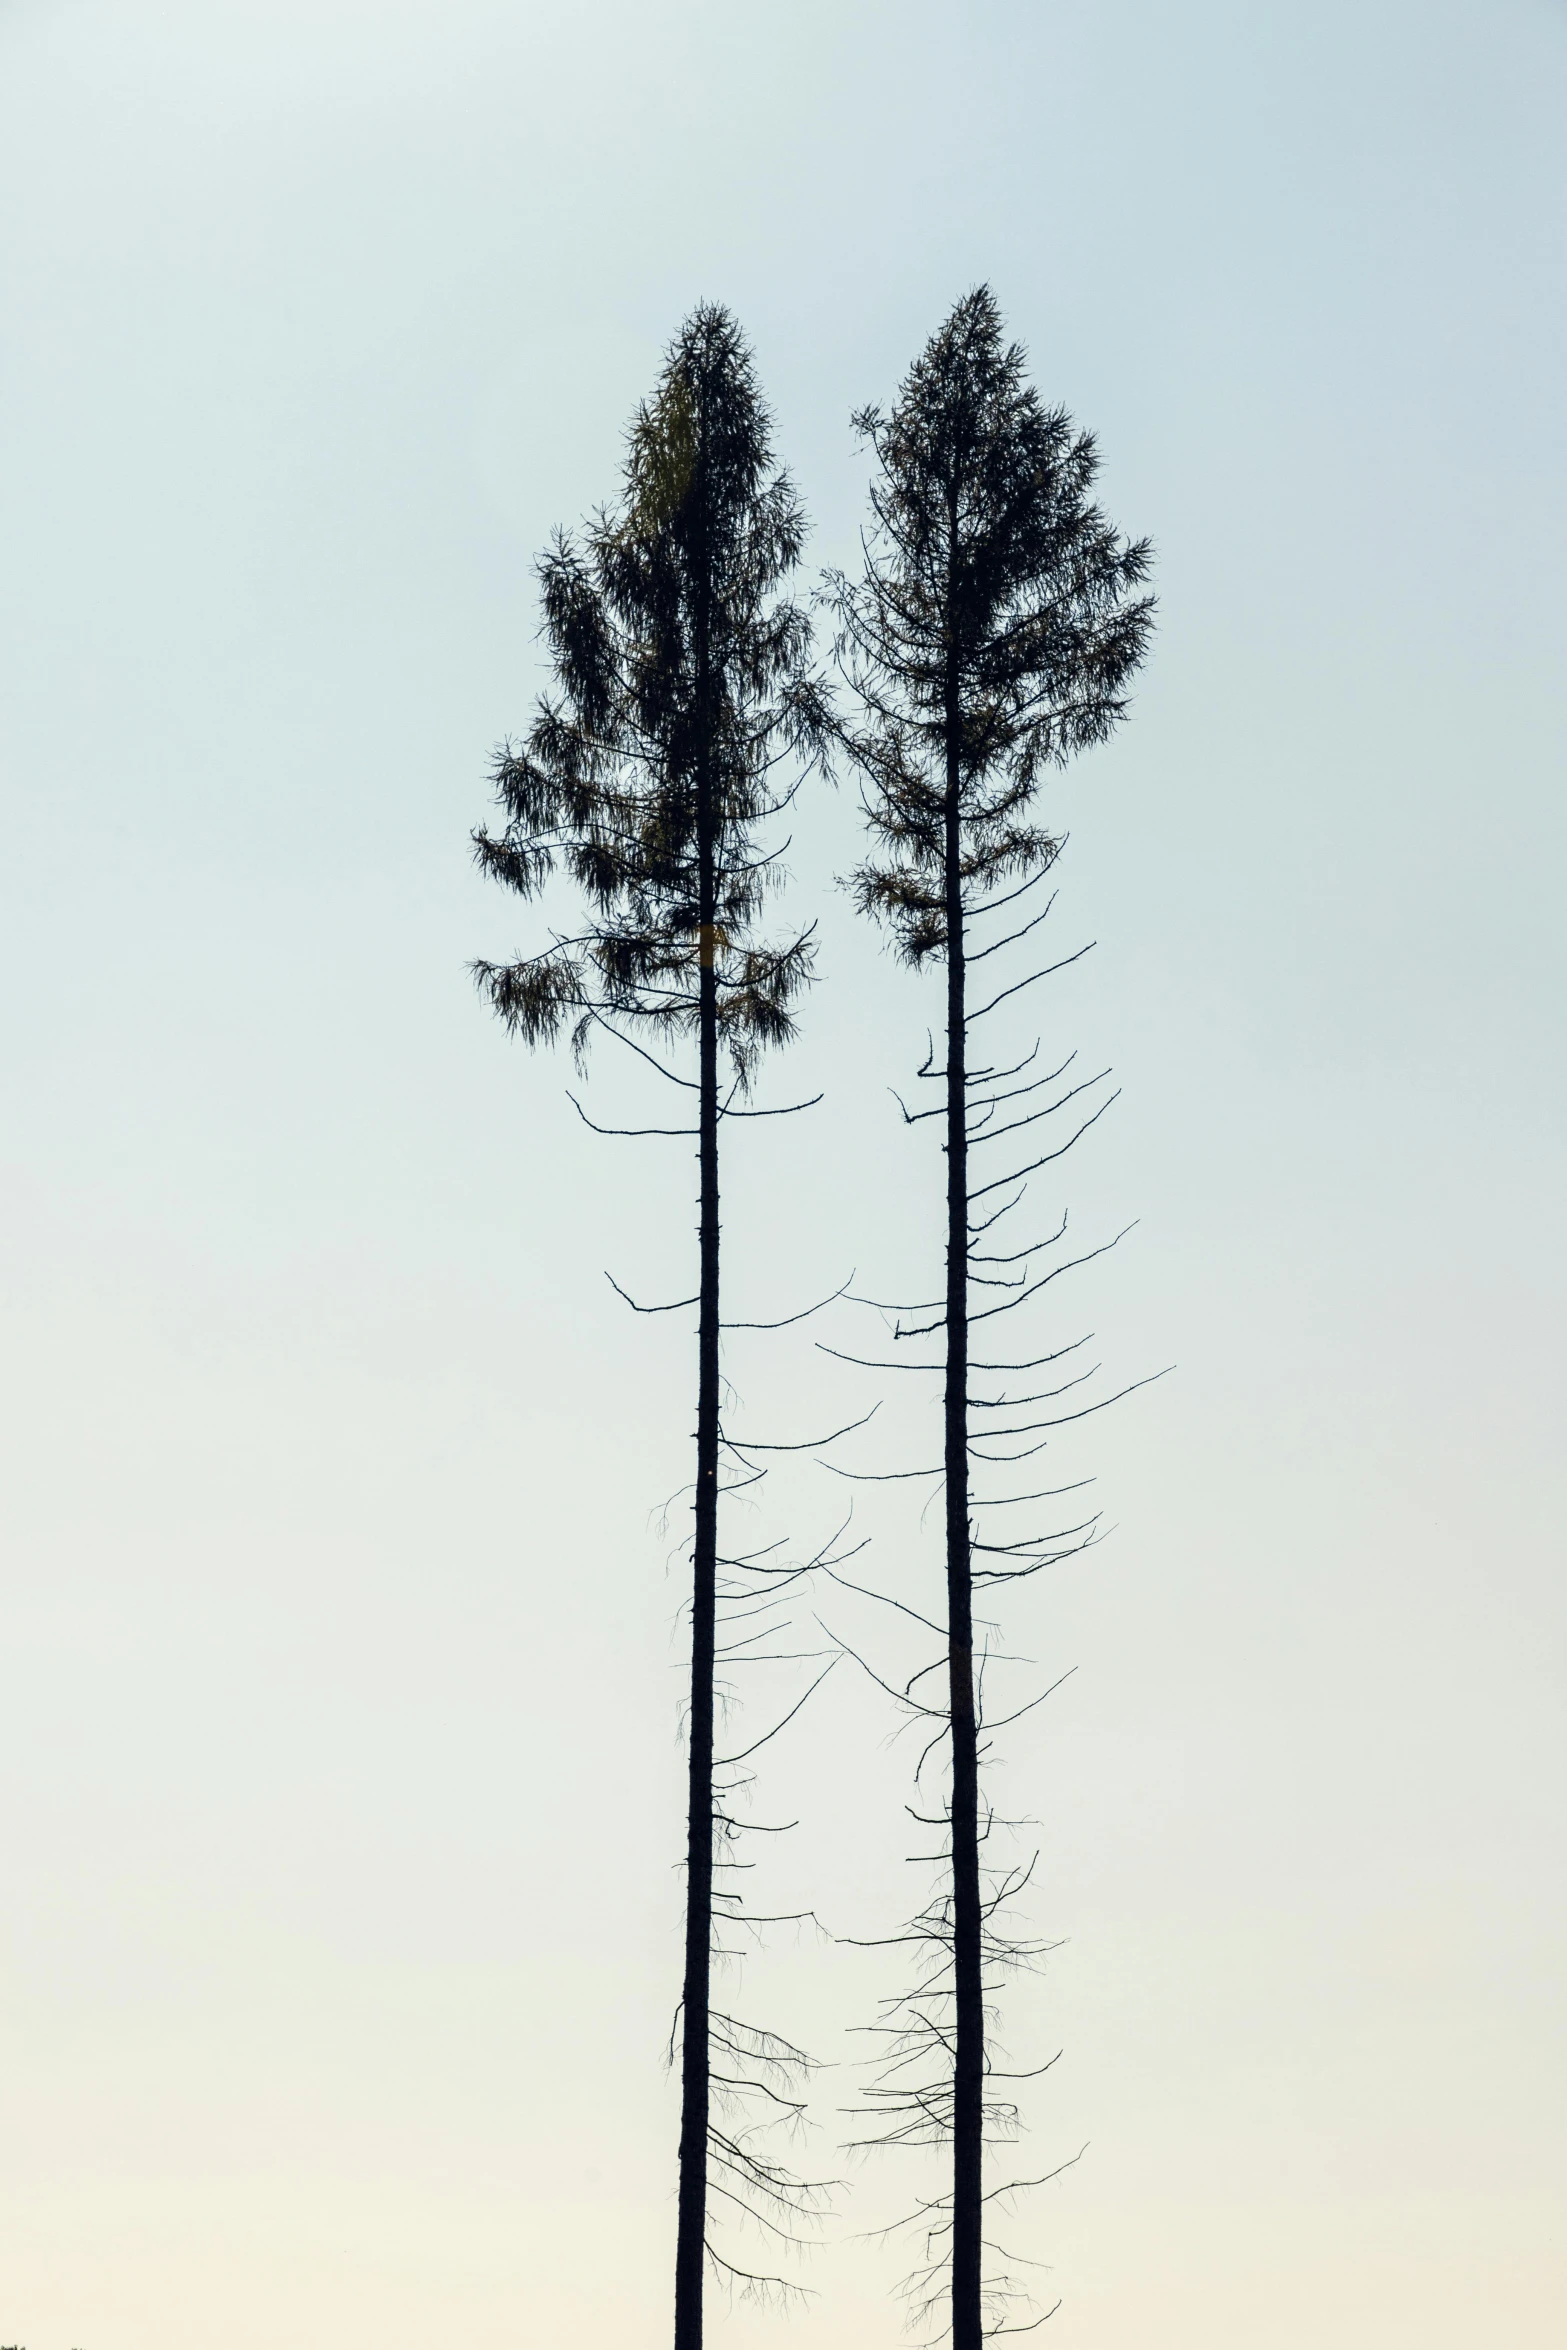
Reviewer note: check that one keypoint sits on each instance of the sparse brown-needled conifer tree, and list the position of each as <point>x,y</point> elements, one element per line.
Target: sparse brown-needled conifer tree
<point>682,715</point>
<point>992,635</point>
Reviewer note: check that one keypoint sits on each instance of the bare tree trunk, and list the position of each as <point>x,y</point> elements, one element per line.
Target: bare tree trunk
<point>968,2087</point>
<point>691,2226</point>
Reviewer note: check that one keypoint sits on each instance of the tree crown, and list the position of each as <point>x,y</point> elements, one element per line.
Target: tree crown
<point>681,686</point>
<point>994,629</point>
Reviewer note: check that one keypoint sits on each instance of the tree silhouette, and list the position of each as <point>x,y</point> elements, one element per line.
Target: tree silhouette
<point>682,715</point>
<point>992,635</point>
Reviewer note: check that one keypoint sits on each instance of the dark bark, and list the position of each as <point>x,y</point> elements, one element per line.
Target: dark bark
<point>692,2220</point>
<point>969,2031</point>
<point>695,2062</point>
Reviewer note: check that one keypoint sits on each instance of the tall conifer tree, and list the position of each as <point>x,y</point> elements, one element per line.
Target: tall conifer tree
<point>992,635</point>
<point>681,697</point>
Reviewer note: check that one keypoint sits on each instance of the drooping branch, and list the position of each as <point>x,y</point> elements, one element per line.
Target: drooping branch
<point>991,635</point>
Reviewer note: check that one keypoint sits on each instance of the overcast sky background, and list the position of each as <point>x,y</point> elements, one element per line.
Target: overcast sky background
<point>338,1653</point>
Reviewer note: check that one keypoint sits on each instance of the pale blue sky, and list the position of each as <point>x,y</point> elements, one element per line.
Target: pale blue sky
<point>331,1460</point>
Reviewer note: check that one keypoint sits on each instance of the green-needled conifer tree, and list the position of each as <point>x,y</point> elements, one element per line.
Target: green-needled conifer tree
<point>993,634</point>
<point>681,717</point>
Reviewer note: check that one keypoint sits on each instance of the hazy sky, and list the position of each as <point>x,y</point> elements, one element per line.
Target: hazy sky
<point>340,1668</point>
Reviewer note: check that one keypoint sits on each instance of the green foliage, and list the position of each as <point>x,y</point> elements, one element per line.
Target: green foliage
<point>993,630</point>
<point>682,687</point>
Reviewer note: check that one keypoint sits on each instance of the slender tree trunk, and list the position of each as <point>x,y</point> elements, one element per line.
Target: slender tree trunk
<point>691,2227</point>
<point>968,2085</point>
